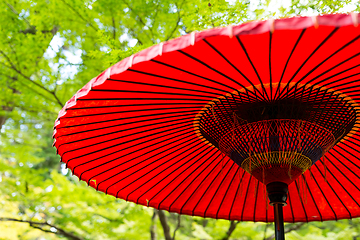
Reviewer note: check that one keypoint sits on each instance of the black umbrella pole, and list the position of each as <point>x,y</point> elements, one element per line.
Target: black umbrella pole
<point>277,192</point>
<point>279,222</point>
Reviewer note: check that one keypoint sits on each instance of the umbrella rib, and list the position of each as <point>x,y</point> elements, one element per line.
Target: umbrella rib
<point>192,193</point>
<point>341,147</point>
<point>212,125</point>
<point>223,179</point>
<point>183,81</point>
<point>208,149</point>
<point>350,93</point>
<point>181,117</point>
<point>331,116</point>
<point>149,92</point>
<point>195,110</point>
<point>226,192</point>
<point>307,59</point>
<point>229,104</point>
<point>346,83</point>
<point>266,207</point>
<point>211,68</point>
<point>354,137</point>
<point>337,80</point>
<point>237,192</point>
<point>117,158</point>
<point>129,105</point>
<point>256,196</point>
<point>172,114</point>
<point>253,66</point>
<point>203,150</point>
<point>194,74</point>
<point>181,120</point>
<point>332,68</point>
<point>89,153</point>
<point>188,143</point>
<point>136,164</point>
<point>157,85</point>
<point>142,98</point>
<point>287,62</point>
<point>312,196</point>
<point>321,116</point>
<point>347,178</point>
<point>237,69</point>
<point>330,152</point>
<point>217,109</point>
<point>128,154</point>
<point>154,168</point>
<point>184,124</point>
<point>186,177</point>
<point>131,141</point>
<point>208,186</point>
<point>329,160</point>
<point>333,54</point>
<point>345,90</point>
<point>291,208</point>
<point>332,189</point>
<point>314,177</point>
<point>115,145</point>
<point>213,161</point>
<point>245,198</point>
<point>180,80</point>
<point>302,204</point>
<point>146,159</point>
<point>128,111</point>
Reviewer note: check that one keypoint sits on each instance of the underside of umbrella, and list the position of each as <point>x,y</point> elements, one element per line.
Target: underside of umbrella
<point>201,124</point>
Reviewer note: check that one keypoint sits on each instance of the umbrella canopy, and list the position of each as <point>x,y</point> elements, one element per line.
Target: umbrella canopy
<point>200,124</point>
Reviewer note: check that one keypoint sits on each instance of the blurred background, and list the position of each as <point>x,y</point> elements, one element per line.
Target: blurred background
<point>48,50</point>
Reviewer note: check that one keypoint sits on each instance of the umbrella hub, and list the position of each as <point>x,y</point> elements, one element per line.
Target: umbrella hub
<point>276,140</point>
<point>277,192</point>
<point>276,150</point>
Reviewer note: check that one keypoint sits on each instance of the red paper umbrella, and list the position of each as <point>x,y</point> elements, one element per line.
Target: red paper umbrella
<point>219,122</point>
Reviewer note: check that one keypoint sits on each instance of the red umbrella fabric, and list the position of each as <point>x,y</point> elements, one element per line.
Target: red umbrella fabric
<point>149,129</point>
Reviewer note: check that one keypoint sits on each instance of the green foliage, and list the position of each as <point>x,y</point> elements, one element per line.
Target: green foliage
<point>48,50</point>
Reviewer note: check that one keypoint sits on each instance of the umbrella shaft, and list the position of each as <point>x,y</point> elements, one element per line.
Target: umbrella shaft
<point>279,222</point>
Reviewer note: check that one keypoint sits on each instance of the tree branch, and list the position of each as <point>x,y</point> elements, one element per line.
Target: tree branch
<point>37,92</point>
<point>135,36</point>
<point>16,12</point>
<point>80,16</point>
<point>154,18</point>
<point>153,226</point>
<point>266,227</point>
<point>177,23</point>
<point>107,218</point>
<point>14,68</point>
<point>292,228</point>
<point>131,9</point>
<point>114,28</point>
<point>174,29</point>
<point>177,226</point>
<point>38,225</point>
<point>231,229</point>
<point>204,222</point>
<point>32,30</point>
<point>164,224</point>
<point>141,21</point>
